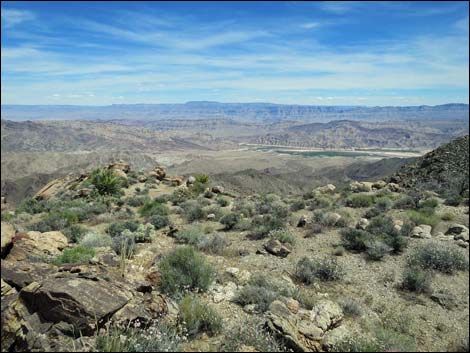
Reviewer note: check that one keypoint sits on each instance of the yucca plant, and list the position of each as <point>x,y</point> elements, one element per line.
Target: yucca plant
<point>105,181</point>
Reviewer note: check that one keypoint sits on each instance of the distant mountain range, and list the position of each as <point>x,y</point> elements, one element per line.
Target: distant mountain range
<point>264,112</point>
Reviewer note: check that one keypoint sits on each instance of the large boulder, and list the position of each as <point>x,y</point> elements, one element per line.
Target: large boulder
<point>422,231</point>
<point>303,330</point>
<point>326,189</point>
<point>83,302</point>
<point>36,244</point>
<point>358,186</point>
<point>459,231</point>
<point>275,247</point>
<point>218,189</point>
<point>363,223</point>
<point>20,274</point>
<point>120,166</point>
<point>7,234</point>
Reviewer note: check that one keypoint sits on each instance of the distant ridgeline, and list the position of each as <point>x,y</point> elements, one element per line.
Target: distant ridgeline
<point>239,111</point>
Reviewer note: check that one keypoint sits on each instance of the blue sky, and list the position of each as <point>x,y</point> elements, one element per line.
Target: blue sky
<point>320,53</point>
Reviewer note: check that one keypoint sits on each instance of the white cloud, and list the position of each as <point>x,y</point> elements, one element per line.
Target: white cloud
<point>12,17</point>
<point>310,25</point>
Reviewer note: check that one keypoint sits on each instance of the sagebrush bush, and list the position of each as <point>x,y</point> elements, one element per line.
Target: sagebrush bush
<point>261,291</point>
<point>383,204</point>
<point>159,221</point>
<point>405,202</point>
<point>96,240</point>
<point>55,221</point>
<point>136,201</point>
<point>244,207</point>
<point>197,316</point>
<point>297,205</point>
<point>308,271</point>
<point>185,269</point>
<point>152,208</point>
<point>453,200</point>
<point>78,254</point>
<point>74,233</point>
<point>428,203</point>
<point>358,201</point>
<point>230,220</point>
<point>32,206</point>
<point>422,217</point>
<point>116,229</point>
<point>416,279</point>
<point>321,201</point>
<point>222,201</point>
<point>214,244</point>
<point>124,244</point>
<point>351,308</point>
<point>283,235</point>
<point>437,256</point>
<point>377,249</point>
<point>447,216</point>
<point>355,239</point>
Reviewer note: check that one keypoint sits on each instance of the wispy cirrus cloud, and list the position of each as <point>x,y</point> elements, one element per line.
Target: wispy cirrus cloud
<point>12,17</point>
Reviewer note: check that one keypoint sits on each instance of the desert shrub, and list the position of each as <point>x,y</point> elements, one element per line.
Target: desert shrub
<point>230,220</point>
<point>96,240</point>
<point>357,344</point>
<point>193,211</point>
<point>179,196</point>
<point>261,292</point>
<point>405,202</point>
<point>55,221</point>
<point>78,254</point>
<point>152,208</point>
<point>398,243</point>
<point>355,239</point>
<point>7,216</point>
<point>383,204</point>
<point>419,217</point>
<point>144,233</point>
<point>321,201</point>
<point>135,339</point>
<point>372,212</point>
<point>32,206</point>
<point>124,244</point>
<point>351,308</point>
<point>313,229</point>
<point>428,203</point>
<point>325,219</point>
<point>416,279</point>
<point>339,251</point>
<point>164,198</point>
<point>437,256</point>
<point>263,224</point>
<point>283,235</point>
<point>358,201</point>
<point>191,236</point>
<point>216,210</point>
<point>197,317</point>
<point>377,249</point>
<point>383,192</point>
<point>382,225</point>
<point>308,271</point>
<point>137,201</point>
<point>185,269</point>
<point>250,333</point>
<point>116,229</point>
<point>202,178</point>
<point>297,205</point>
<point>105,182</point>
<point>222,201</point>
<point>244,224</point>
<point>448,216</point>
<point>214,244</point>
<point>159,221</point>
<point>74,233</point>
<point>453,200</point>
<point>244,207</point>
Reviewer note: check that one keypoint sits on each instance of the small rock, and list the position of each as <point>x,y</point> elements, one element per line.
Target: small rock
<point>422,231</point>
<point>277,248</point>
<point>362,224</point>
<point>218,189</point>
<point>211,217</point>
<point>302,221</point>
<point>191,180</point>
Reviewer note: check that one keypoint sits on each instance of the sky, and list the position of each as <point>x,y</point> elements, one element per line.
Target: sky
<point>316,53</point>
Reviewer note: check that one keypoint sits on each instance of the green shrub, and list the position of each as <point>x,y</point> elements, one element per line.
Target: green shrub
<point>448,216</point>
<point>137,201</point>
<point>193,211</point>
<point>124,244</point>
<point>55,221</point>
<point>105,182</point>
<point>355,239</point>
<point>116,229</point>
<point>321,201</point>
<point>358,201</point>
<point>405,202</point>
<point>185,269</point>
<point>351,308</point>
<point>339,251</point>
<point>420,217</point>
<point>95,240</point>
<point>453,200</point>
<point>382,225</point>
<point>230,220</point>
<point>222,201</point>
<point>215,244</point>
<point>261,292</point>
<point>78,254</point>
<point>377,249</point>
<point>197,317</point>
<point>191,236</point>
<point>179,196</point>
<point>437,256</point>
<point>283,235</point>
<point>74,233</point>
<point>383,204</point>
<point>297,205</point>
<point>32,206</point>
<point>307,271</point>
<point>416,279</point>
<point>152,208</point>
<point>202,178</point>
<point>159,221</point>
<point>428,203</point>
<point>7,217</point>
<point>244,207</point>
<point>250,333</point>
